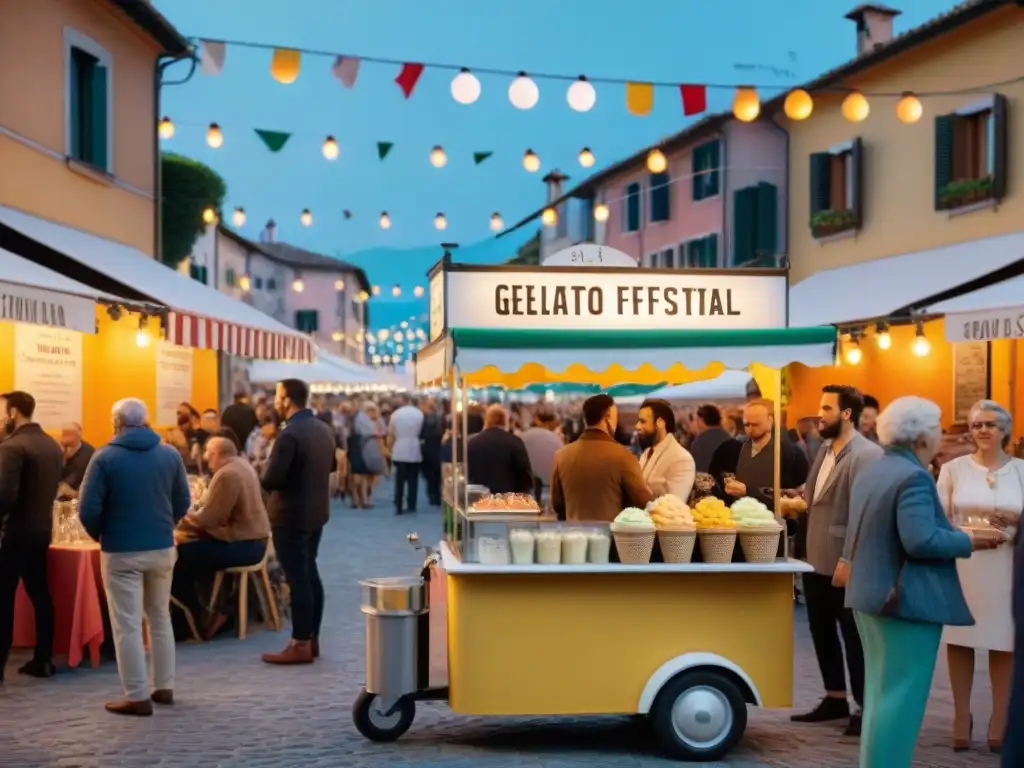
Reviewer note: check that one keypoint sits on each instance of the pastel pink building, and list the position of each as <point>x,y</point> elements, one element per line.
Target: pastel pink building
<point>720,202</point>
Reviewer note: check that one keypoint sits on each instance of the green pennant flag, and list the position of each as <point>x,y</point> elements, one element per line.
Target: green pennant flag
<point>275,140</point>
<point>383,147</point>
<point>479,157</point>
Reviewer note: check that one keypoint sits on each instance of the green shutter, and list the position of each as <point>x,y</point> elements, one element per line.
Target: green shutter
<point>711,251</point>
<point>856,205</point>
<point>744,225</point>
<point>821,191</point>
<point>943,154</point>
<point>660,203</point>
<point>98,117</point>
<point>714,160</point>
<point>193,271</point>
<point>695,253</point>
<point>999,164</point>
<point>632,207</point>
<point>766,238</point>
<point>698,163</point>
<point>229,278</point>
<point>75,105</point>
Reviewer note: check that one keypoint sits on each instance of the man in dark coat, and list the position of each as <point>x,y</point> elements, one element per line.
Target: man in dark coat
<point>498,459</point>
<point>298,480</point>
<point>31,464</point>
<point>240,418</point>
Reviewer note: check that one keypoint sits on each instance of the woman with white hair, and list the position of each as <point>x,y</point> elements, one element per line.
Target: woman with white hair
<point>984,488</point>
<point>903,585</point>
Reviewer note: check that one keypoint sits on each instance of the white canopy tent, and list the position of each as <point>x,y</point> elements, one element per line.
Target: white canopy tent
<point>731,385</point>
<point>327,373</point>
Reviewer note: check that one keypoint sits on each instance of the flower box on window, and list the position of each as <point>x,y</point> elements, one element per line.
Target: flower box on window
<point>829,222</point>
<point>957,194</point>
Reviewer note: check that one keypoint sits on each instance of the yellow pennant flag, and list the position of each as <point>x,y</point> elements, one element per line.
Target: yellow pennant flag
<point>639,98</point>
<point>285,65</point>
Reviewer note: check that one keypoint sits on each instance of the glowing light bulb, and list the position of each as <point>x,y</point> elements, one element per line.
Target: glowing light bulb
<point>330,148</point>
<point>746,105</point>
<point>855,107</point>
<point>909,109</point>
<point>385,220</point>
<point>854,354</point>
<point>549,217</point>
<point>238,217</point>
<point>245,283</point>
<point>339,284</point>
<point>396,290</point>
<point>656,161</point>
<point>209,215</point>
<point>530,161</point>
<point>375,290</point>
<point>798,105</point>
<point>884,340</point>
<point>417,291</point>
<point>523,92</point>
<point>586,158</point>
<point>142,338</point>
<point>297,285</point>
<point>337,336</point>
<point>214,136</point>
<point>497,223</point>
<point>306,217</point>
<point>921,346</point>
<point>440,221</point>
<point>165,128</point>
<point>465,87</point>
<point>601,212</point>
<point>438,158</point>
<point>581,95</point>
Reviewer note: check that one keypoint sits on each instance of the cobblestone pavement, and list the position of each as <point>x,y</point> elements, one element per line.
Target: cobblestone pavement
<point>235,712</point>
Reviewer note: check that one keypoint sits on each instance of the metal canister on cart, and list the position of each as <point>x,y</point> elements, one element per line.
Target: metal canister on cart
<point>397,614</point>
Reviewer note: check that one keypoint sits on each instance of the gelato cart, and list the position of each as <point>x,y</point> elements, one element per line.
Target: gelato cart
<point>688,643</point>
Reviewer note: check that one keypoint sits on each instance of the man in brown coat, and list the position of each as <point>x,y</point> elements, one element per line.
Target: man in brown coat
<point>595,477</point>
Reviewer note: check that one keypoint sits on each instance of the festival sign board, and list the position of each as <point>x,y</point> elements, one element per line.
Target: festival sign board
<point>985,325</point>
<point>35,306</point>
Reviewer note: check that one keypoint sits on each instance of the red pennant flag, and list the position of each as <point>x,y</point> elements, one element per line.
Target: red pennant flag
<point>408,78</point>
<point>695,99</point>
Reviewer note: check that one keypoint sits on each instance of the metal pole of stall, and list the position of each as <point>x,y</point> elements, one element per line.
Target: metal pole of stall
<point>777,450</point>
<point>465,444</point>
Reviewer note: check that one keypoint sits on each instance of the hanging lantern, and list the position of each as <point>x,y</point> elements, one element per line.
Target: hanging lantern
<point>209,215</point>
<point>855,107</point>
<point>438,158</point>
<point>656,161</point>
<point>909,109</point>
<point>497,224</point>
<point>214,136</point>
<point>165,128</point>
<point>306,217</point>
<point>549,217</point>
<point>417,291</point>
<point>285,65</point>
<point>440,221</point>
<point>798,105</point>
<point>297,285</point>
<point>523,92</point>
<point>339,284</point>
<point>238,217</point>
<point>465,87</point>
<point>530,161</point>
<point>385,220</point>
<point>586,158</point>
<point>601,212</point>
<point>396,290</point>
<point>330,148</point>
<point>581,95</point>
<point>746,105</point>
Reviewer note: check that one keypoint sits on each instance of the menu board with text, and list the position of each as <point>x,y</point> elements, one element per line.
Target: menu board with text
<point>173,381</point>
<point>48,365</point>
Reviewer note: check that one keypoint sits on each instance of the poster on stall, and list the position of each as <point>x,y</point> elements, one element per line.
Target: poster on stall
<point>173,381</point>
<point>48,365</point>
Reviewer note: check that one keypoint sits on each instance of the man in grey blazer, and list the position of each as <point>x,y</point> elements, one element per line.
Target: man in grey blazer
<point>827,492</point>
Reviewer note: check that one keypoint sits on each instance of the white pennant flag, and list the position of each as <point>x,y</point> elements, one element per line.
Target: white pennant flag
<point>346,70</point>
<point>211,56</point>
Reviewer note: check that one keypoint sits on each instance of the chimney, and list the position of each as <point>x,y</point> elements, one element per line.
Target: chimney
<point>269,233</point>
<point>554,181</point>
<point>874,26</point>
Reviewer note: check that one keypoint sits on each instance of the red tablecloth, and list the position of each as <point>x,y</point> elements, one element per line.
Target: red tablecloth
<point>76,587</point>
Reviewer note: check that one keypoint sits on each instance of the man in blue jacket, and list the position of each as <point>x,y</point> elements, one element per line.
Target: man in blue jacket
<point>134,493</point>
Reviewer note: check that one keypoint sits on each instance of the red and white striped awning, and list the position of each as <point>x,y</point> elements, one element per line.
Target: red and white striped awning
<point>187,330</point>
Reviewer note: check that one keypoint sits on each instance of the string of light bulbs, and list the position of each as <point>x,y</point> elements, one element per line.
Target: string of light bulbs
<point>851,352</point>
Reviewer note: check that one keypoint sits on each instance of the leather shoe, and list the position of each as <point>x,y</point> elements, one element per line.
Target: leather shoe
<point>314,645</point>
<point>854,726</point>
<point>133,708</point>
<point>35,668</point>
<point>828,709</point>
<point>163,697</point>
<point>296,652</point>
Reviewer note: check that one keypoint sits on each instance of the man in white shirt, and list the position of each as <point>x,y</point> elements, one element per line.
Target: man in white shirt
<point>541,446</point>
<point>404,435</point>
<point>666,465</point>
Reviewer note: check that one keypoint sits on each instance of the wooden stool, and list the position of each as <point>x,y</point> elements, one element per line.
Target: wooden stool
<point>265,595</point>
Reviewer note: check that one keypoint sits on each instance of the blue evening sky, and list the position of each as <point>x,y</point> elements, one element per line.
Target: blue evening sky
<point>658,40</point>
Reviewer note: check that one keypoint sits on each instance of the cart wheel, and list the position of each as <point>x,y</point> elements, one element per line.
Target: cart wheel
<point>375,724</point>
<point>699,715</point>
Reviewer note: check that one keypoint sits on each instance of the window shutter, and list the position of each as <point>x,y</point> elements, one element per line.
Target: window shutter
<point>75,106</point>
<point>821,197</point>
<point>697,164</point>
<point>694,253</point>
<point>943,153</point>
<point>202,275</point>
<point>743,224</point>
<point>98,117</point>
<point>314,321</point>
<point>660,204</point>
<point>856,204</point>
<point>633,208</point>
<point>1000,168</point>
<point>711,251</point>
<point>714,159</point>
<point>767,220</point>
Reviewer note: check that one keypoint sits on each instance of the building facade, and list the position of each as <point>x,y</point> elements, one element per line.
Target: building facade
<point>719,202</point>
<point>313,293</point>
<point>78,113</point>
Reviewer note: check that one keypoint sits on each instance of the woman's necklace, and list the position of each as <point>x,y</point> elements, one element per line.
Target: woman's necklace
<point>992,472</point>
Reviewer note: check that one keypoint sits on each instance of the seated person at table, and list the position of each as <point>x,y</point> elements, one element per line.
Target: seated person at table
<point>230,527</point>
<point>77,454</point>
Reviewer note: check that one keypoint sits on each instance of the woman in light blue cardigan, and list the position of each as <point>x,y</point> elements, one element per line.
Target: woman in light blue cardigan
<point>902,585</point>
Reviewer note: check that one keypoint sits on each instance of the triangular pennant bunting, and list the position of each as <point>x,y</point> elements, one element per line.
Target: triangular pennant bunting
<point>695,99</point>
<point>408,78</point>
<point>383,147</point>
<point>211,56</point>
<point>479,157</point>
<point>639,98</point>
<point>346,70</point>
<point>275,140</point>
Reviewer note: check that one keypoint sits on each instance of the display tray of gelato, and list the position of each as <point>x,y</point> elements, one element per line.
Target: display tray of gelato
<point>505,504</point>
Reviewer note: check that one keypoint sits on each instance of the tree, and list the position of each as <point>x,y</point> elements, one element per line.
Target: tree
<point>188,188</point>
<point>529,252</point>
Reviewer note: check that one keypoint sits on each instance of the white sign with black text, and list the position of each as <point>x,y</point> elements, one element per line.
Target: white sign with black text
<point>590,255</point>
<point>20,304</point>
<point>173,381</point>
<point>48,365</point>
<point>550,299</point>
<point>989,325</point>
